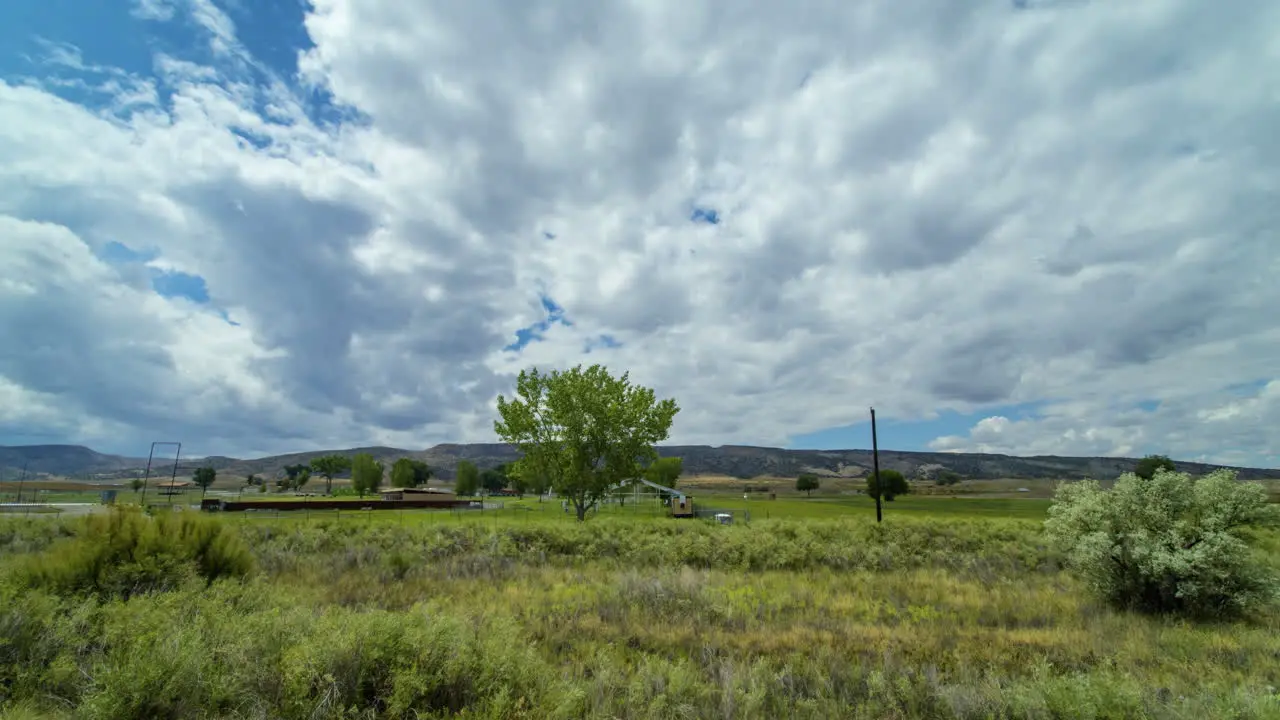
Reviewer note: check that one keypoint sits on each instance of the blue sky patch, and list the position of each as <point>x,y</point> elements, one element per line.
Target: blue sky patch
<point>111,43</point>
<point>902,435</point>
<point>1247,389</point>
<point>258,142</point>
<point>118,254</point>
<point>709,216</point>
<point>169,284</point>
<point>179,284</point>
<point>272,32</point>
<point>105,33</point>
<point>534,332</point>
<point>604,341</point>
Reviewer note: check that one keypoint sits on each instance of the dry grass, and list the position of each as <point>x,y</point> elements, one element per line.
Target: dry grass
<point>55,486</point>
<point>932,615</point>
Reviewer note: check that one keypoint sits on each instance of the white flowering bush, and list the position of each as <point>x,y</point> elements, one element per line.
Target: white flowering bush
<point>1171,544</point>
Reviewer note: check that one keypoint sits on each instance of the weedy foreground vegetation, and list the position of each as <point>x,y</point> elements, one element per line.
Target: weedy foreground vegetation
<point>925,616</point>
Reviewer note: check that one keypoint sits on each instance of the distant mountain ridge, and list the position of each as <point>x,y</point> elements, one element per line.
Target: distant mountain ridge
<point>63,460</point>
<point>741,461</point>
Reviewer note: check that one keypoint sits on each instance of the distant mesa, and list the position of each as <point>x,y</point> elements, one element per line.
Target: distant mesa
<point>739,461</point>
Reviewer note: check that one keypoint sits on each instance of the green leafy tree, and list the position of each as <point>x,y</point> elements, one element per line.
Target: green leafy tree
<point>366,474</point>
<point>807,483</point>
<point>665,471</point>
<point>402,473</point>
<point>252,480</point>
<point>1151,464</point>
<point>136,484</point>
<point>328,466</point>
<point>495,479</point>
<point>203,478</point>
<point>584,430</point>
<point>409,473</point>
<point>1170,544</point>
<point>467,482</point>
<point>421,473</point>
<point>515,481</point>
<point>891,484</point>
<point>292,474</point>
<point>528,480</point>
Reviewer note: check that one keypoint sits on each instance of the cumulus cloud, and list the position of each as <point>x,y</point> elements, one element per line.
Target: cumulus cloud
<point>778,214</point>
<point>1235,427</point>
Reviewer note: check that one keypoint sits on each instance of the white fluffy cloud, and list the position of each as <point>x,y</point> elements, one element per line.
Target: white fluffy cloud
<point>922,205</point>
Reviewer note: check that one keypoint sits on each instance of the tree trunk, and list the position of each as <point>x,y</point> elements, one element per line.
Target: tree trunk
<point>582,511</point>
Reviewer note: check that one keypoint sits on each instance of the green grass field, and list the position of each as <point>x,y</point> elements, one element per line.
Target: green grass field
<point>952,608</point>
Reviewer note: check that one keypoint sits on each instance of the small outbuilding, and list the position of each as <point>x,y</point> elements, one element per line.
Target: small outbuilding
<point>682,506</point>
<point>416,494</point>
<point>173,487</point>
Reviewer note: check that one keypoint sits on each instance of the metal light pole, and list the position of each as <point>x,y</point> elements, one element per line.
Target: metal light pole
<point>875,464</point>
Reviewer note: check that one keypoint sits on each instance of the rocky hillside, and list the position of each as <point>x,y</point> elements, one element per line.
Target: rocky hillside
<point>60,460</point>
<point>746,462</point>
<point>733,460</point>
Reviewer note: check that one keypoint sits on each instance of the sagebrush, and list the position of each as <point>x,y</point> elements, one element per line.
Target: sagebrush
<point>125,552</point>
<point>932,617</point>
<point>1170,544</point>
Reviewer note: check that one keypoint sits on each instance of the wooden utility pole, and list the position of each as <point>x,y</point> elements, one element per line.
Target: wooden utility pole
<point>875,464</point>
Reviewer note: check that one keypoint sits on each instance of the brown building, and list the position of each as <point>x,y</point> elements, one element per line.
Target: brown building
<point>173,487</point>
<point>416,494</point>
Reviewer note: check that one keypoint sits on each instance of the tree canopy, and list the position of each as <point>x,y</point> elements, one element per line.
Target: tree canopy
<point>584,431</point>
<point>409,473</point>
<point>296,476</point>
<point>467,480</point>
<point>1151,464</point>
<point>328,466</point>
<point>204,477</point>
<point>665,471</point>
<point>494,479</point>
<point>892,484</point>
<point>366,474</point>
<point>807,483</point>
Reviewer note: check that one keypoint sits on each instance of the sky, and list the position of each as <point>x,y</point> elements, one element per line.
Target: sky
<point>1029,227</point>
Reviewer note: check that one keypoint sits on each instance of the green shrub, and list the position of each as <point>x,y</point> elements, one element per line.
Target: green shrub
<point>249,650</point>
<point>1148,466</point>
<point>947,477</point>
<point>124,553</point>
<point>1171,544</point>
<point>331,547</point>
